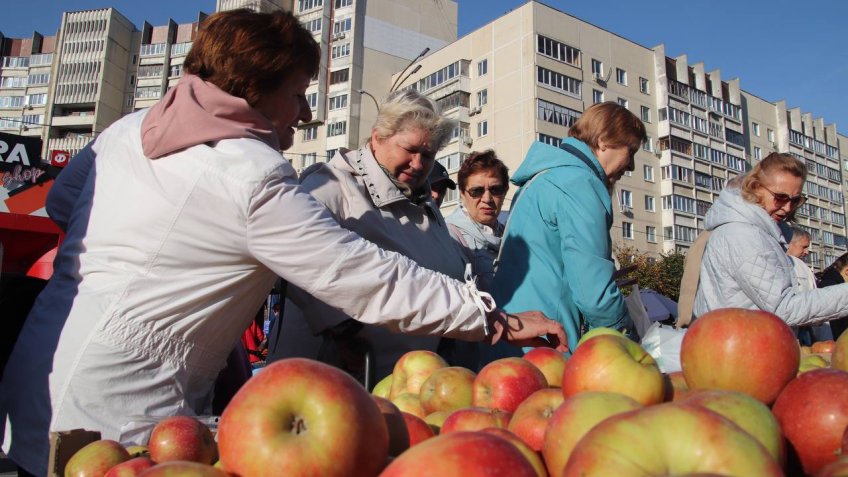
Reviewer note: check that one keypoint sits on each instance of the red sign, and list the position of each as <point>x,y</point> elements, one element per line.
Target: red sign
<point>59,158</point>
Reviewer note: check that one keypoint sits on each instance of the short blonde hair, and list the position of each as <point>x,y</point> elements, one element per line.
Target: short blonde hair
<point>408,109</point>
<point>774,162</point>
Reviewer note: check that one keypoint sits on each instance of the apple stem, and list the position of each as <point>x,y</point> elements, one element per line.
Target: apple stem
<point>298,426</point>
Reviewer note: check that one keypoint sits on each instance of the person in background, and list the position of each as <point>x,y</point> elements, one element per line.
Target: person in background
<point>254,339</point>
<point>835,274</point>
<point>557,251</point>
<point>745,264</point>
<point>799,247</point>
<point>440,182</point>
<point>380,191</point>
<point>176,232</point>
<point>483,184</point>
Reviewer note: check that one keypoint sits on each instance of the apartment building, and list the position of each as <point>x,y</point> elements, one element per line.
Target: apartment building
<point>528,75</point>
<point>25,74</point>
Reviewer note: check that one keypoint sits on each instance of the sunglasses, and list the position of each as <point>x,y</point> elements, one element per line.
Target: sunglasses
<point>477,192</point>
<point>780,198</point>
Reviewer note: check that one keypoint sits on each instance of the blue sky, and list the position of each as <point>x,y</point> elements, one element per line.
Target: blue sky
<point>780,49</point>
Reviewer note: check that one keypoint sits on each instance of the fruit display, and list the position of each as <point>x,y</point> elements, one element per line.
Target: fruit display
<point>748,402</point>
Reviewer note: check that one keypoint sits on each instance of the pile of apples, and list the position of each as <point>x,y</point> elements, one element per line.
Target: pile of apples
<point>748,402</point>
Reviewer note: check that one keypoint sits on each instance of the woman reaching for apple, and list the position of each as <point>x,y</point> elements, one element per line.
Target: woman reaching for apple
<point>176,232</point>
<point>745,264</point>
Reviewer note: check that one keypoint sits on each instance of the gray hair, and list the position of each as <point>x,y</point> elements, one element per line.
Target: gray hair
<point>798,233</point>
<point>410,109</point>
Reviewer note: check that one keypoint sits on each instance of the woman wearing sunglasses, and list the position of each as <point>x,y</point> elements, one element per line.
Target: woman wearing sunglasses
<point>745,264</point>
<point>483,183</point>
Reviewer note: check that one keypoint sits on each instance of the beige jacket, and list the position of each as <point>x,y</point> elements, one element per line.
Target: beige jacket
<point>364,200</point>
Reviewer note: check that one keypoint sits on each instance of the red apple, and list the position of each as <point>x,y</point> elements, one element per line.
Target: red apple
<point>396,425</point>
<point>826,346</point>
<point>835,469</point>
<point>750,351</point>
<point>531,455</point>
<point>182,438</point>
<point>96,458</point>
<point>419,430</point>
<point>447,389</point>
<point>475,419</point>
<point>412,369</point>
<point>610,363</point>
<point>131,468</point>
<point>839,358</point>
<point>669,439</point>
<point>574,418</point>
<point>531,418</point>
<point>806,350</point>
<point>183,469</point>
<point>466,454</point>
<point>504,383</point>
<point>550,362</point>
<point>813,412</point>
<point>598,332</point>
<point>751,415</point>
<point>299,417</point>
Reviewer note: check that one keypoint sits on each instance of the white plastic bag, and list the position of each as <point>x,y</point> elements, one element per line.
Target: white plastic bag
<point>662,342</point>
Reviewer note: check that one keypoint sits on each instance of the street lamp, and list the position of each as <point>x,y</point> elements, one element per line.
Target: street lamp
<point>366,93</point>
<point>398,81</point>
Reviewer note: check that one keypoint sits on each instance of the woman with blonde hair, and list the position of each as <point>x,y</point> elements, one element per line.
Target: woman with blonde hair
<point>745,263</point>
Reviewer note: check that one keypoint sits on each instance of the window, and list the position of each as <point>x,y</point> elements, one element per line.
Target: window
<point>558,51</point>
<point>310,133</point>
<point>597,68</point>
<point>39,78</point>
<point>11,101</point>
<point>342,26</point>
<point>180,48</point>
<point>621,76</point>
<point>340,76</point>
<point>340,51</point>
<point>309,159</point>
<point>648,173</point>
<point>36,99</point>
<point>461,130</point>
<point>13,81</point>
<point>312,99</point>
<point>770,135</point>
<point>34,119</point>
<point>626,199</point>
<point>150,71</point>
<point>338,102</point>
<point>343,3</point>
<point>482,67</point>
<point>651,234</point>
<point>449,72</point>
<point>643,85</point>
<point>313,25</point>
<point>623,102</point>
<point>337,128</point>
<point>756,129</point>
<point>452,162</point>
<point>331,153</point>
<point>648,145</point>
<point>645,114</point>
<point>627,230</point>
<point>303,5</point>
<point>549,140</point>
<point>758,153</point>
<point>482,97</point>
<point>175,71</point>
<point>454,100</point>
<point>597,96</point>
<point>554,113</point>
<point>559,82</point>
<point>650,206</point>
<point>482,128</point>
<point>148,92</point>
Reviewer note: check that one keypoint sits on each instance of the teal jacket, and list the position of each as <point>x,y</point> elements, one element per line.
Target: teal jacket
<point>557,252</point>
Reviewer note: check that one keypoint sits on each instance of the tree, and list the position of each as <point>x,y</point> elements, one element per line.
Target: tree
<point>661,274</point>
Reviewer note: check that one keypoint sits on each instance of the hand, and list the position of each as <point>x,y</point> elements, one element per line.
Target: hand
<point>527,329</point>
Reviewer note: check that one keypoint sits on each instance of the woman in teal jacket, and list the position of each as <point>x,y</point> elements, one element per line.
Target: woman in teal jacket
<point>557,252</point>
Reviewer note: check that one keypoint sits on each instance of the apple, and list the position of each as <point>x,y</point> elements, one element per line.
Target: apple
<point>810,362</point>
<point>475,419</point>
<point>839,358</point>
<point>612,363</point>
<point>383,388</point>
<point>675,386</point>
<point>412,369</point>
<point>806,350</point>
<point>506,382</point>
<point>813,412</point>
<point>835,469</point>
<point>138,451</point>
<point>411,403</point>
<point>751,415</point>
<point>130,468</point>
<point>531,455</point>
<point>182,438</point>
<point>531,418</point>
<point>574,418</point>
<point>299,417</point>
<point>418,430</point>
<point>750,351</point>
<point>96,458</point>
<point>436,420</point>
<point>598,332</point>
<point>669,439</point>
<point>447,389</point>
<point>183,469</point>
<point>396,425</point>
<point>550,362</point>
<point>466,454</point>
<point>826,346</point>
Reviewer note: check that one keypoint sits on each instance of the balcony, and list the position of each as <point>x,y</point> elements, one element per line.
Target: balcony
<point>73,120</point>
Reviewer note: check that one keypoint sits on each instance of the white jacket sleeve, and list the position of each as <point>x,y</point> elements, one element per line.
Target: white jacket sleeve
<point>297,238</point>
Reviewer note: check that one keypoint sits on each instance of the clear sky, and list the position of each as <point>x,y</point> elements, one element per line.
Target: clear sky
<point>780,49</point>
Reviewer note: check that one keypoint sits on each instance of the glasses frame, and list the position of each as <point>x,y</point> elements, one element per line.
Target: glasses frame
<point>782,198</point>
<point>480,191</point>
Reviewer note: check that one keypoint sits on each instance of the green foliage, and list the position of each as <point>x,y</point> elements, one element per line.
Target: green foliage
<point>661,274</point>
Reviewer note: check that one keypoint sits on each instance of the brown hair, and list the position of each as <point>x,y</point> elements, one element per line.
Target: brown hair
<point>479,162</point>
<point>613,123</point>
<point>250,54</point>
<point>774,162</point>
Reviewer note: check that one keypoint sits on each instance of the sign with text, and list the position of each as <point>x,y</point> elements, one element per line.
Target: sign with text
<point>17,150</point>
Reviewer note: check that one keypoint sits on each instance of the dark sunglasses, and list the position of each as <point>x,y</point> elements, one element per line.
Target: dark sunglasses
<point>477,192</point>
<point>780,198</point>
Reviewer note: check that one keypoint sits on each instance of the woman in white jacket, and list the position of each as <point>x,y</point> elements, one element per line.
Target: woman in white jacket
<point>745,264</point>
<point>174,237</point>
